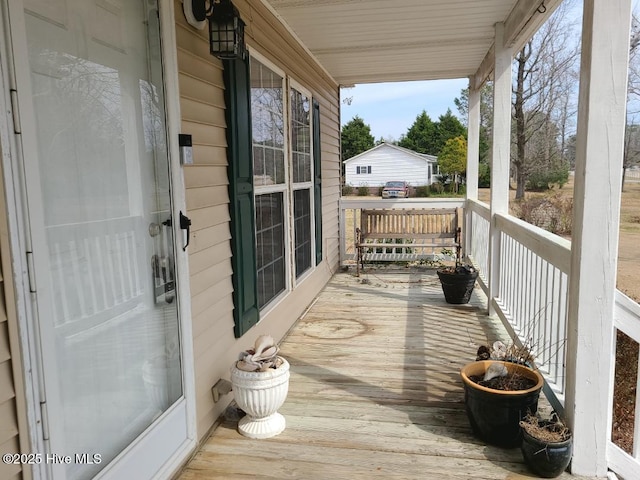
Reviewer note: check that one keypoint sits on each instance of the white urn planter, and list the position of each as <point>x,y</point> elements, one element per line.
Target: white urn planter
<point>260,395</point>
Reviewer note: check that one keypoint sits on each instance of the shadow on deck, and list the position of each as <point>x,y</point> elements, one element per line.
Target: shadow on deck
<point>374,390</point>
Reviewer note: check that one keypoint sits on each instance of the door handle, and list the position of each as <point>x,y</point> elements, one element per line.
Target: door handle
<point>185,224</point>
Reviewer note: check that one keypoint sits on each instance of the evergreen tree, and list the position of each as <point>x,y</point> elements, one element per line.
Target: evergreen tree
<point>448,127</point>
<point>422,136</point>
<point>355,138</point>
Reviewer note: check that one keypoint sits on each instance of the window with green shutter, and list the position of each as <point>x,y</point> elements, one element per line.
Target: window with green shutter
<point>273,136</point>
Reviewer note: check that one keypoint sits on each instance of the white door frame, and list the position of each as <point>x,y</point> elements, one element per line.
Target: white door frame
<point>17,209</point>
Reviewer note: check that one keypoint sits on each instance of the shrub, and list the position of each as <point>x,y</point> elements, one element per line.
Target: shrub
<point>380,188</point>
<point>484,175</point>
<point>553,212</point>
<point>347,190</point>
<point>542,180</point>
<point>437,187</point>
<point>422,191</point>
<point>363,190</point>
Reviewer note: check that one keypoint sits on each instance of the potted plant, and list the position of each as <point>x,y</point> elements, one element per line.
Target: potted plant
<point>547,445</point>
<point>457,280</point>
<point>499,393</point>
<point>260,382</point>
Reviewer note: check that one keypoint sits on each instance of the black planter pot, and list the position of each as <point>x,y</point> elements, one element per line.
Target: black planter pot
<point>545,459</point>
<point>495,415</point>
<point>457,286</point>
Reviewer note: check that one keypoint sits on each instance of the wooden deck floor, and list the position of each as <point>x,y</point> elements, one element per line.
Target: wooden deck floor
<point>374,391</point>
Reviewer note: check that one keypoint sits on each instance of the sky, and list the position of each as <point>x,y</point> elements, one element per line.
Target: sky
<point>391,108</point>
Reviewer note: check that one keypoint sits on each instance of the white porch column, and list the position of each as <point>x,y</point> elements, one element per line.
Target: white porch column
<point>594,252</point>
<point>473,155</point>
<point>500,157</point>
<point>473,141</point>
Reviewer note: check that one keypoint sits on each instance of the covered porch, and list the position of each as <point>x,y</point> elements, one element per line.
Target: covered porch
<point>536,284</point>
<point>374,391</point>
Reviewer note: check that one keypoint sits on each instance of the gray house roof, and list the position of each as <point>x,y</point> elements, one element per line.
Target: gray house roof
<point>422,156</point>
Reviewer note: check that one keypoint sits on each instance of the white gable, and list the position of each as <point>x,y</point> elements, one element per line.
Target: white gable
<point>387,162</point>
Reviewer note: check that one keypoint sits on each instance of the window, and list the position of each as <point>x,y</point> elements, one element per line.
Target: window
<point>270,228</point>
<point>302,180</point>
<point>269,179</point>
<point>363,170</point>
<point>283,180</point>
<point>274,184</point>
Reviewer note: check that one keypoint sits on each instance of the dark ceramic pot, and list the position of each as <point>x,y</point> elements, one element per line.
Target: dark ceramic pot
<point>546,459</point>
<point>457,287</point>
<point>495,415</point>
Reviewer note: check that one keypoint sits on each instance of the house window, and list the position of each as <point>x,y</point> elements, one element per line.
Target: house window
<point>363,170</point>
<point>270,229</point>
<point>283,180</point>
<point>269,179</point>
<point>302,179</point>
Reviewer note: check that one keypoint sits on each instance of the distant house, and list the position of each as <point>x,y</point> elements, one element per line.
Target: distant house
<point>387,162</point>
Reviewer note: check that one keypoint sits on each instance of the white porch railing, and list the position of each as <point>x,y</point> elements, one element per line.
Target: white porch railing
<point>350,220</point>
<point>532,302</point>
<point>627,319</point>
<point>478,241</point>
<point>532,288</point>
<point>531,297</point>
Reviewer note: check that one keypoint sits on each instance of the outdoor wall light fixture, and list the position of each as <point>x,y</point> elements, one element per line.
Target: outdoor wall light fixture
<point>226,28</point>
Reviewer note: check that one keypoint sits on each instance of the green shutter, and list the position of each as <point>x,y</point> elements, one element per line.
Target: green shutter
<point>241,207</point>
<point>317,180</point>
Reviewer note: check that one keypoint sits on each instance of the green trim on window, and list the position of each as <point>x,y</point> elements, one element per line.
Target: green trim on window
<point>317,179</point>
<point>241,206</point>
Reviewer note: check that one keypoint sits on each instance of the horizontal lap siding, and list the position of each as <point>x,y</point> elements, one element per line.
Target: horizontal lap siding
<point>203,116</point>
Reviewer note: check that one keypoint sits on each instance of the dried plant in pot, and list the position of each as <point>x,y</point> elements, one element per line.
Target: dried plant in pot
<point>547,445</point>
<point>260,380</point>
<point>457,280</point>
<point>498,395</point>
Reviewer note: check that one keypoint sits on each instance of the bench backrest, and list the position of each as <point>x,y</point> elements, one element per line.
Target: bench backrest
<point>423,223</point>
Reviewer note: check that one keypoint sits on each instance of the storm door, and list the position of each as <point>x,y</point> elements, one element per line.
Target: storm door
<point>100,226</point>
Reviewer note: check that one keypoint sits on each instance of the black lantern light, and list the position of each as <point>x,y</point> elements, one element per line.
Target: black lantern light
<point>226,28</point>
<point>226,31</point>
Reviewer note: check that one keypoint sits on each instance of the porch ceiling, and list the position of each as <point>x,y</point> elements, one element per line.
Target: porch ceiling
<point>366,41</point>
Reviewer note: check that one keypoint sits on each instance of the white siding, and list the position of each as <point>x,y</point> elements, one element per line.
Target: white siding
<point>387,163</point>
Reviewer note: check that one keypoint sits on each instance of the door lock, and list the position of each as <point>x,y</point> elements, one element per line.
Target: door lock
<point>185,224</point>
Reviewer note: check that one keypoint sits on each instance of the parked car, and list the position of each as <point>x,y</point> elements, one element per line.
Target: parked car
<point>395,190</point>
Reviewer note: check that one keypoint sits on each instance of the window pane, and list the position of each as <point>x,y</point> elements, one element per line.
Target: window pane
<point>300,136</point>
<point>267,125</point>
<point>270,246</point>
<point>302,225</point>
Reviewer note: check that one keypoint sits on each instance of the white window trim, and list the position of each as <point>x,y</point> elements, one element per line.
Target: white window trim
<point>280,187</point>
<point>293,84</point>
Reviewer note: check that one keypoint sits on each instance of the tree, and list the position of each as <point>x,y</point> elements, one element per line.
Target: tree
<point>632,132</point>
<point>355,138</point>
<point>447,127</point>
<point>421,136</point>
<point>452,160</point>
<point>486,123</point>
<point>545,73</point>
<point>631,154</point>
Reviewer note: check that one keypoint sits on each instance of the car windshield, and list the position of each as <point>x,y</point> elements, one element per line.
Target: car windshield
<point>395,184</point>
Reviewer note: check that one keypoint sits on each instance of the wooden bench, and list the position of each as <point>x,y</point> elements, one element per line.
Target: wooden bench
<point>426,227</point>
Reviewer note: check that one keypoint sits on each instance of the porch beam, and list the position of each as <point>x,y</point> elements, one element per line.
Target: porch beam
<point>500,157</point>
<point>594,253</point>
<point>525,19</point>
